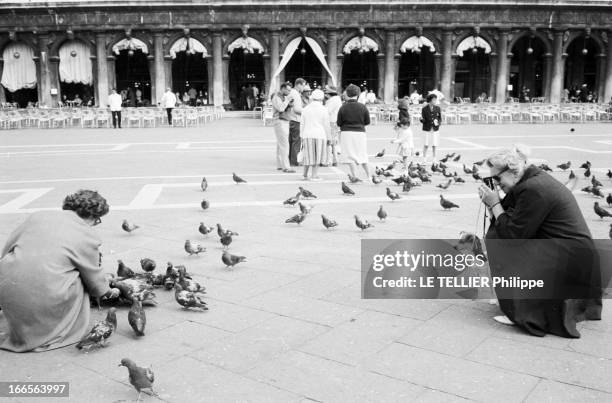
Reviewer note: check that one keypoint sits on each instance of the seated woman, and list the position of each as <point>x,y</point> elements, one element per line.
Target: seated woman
<point>558,248</point>
<point>49,266</point>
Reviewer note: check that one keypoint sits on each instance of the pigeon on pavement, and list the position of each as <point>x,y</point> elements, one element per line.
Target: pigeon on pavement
<point>231,260</point>
<point>204,184</point>
<point>140,378</point>
<point>205,204</point>
<point>601,212</point>
<point>565,166</point>
<point>204,230</point>
<point>392,195</point>
<point>298,218</point>
<point>328,222</point>
<point>127,227</point>
<point>238,179</point>
<point>382,214</point>
<point>307,193</point>
<point>347,190</point>
<point>447,204</point>
<point>362,224</point>
<point>381,154</point>
<point>188,299</point>
<point>100,332</point>
<point>123,270</point>
<point>193,247</point>
<point>137,318</point>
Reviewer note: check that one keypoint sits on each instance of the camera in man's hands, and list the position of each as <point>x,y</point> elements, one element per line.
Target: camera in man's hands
<point>489,182</point>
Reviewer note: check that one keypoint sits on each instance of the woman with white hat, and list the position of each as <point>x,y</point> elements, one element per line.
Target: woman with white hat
<point>314,131</point>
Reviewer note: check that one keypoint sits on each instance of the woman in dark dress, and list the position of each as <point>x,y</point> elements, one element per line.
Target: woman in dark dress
<point>538,231</point>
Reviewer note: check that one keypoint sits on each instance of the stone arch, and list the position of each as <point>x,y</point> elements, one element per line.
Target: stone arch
<point>55,47</point>
<point>119,36</point>
<point>538,34</point>
<point>484,35</point>
<point>253,35</point>
<point>7,41</point>
<point>578,34</point>
<point>291,37</point>
<point>203,38</point>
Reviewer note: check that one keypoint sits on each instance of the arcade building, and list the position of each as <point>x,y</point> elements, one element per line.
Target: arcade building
<point>55,50</point>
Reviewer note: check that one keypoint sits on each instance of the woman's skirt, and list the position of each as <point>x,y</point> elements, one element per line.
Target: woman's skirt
<point>313,151</point>
<point>354,148</point>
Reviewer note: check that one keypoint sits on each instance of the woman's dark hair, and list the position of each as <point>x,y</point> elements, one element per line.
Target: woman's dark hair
<point>431,96</point>
<point>86,203</point>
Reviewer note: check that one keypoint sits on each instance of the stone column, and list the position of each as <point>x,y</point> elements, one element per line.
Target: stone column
<point>274,59</point>
<point>448,73</point>
<point>380,61</point>
<point>112,77</point>
<point>158,86</point>
<point>502,67</point>
<point>453,68</point>
<point>339,70</point>
<point>390,78</point>
<point>217,69</point>
<point>332,54</point>
<point>556,84</point>
<point>44,79</point>
<point>225,69</point>
<point>493,61</point>
<point>211,80</point>
<point>601,75</point>
<point>608,76</point>
<point>396,66</point>
<point>54,80</point>
<point>267,73</point>
<point>547,75</point>
<point>102,70</point>
<point>168,71</point>
<point>438,67</point>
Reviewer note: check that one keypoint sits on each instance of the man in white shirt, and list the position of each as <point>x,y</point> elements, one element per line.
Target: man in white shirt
<point>114,101</point>
<point>439,96</point>
<point>280,106</point>
<point>415,97</point>
<point>363,99</point>
<point>168,102</point>
<point>371,97</point>
<point>294,114</point>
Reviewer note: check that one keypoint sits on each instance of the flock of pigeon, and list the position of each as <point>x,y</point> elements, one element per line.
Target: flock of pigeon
<point>136,288</point>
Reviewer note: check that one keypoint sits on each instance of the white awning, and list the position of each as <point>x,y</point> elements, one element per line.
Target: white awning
<point>248,43</point>
<point>75,63</point>
<point>131,43</point>
<point>19,68</point>
<point>190,45</point>
<point>473,42</point>
<point>415,43</point>
<point>357,43</point>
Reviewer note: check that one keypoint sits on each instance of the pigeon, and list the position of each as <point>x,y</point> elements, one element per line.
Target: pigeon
<point>442,165</point>
<point>479,163</point>
<point>362,224</point>
<point>140,378</point>
<point>221,232</point>
<point>587,173</point>
<point>100,332</point>
<point>445,159</point>
<point>353,179</point>
<point>451,155</point>
<point>131,288</point>
<point>298,218</point>
<point>571,175</point>
<point>407,186</point>
<point>238,179</point>
<point>127,227</point>
<point>304,209</point>
<point>170,277</point>
<point>382,214</point>
<point>595,182</point>
<point>476,176</point>
<point>596,191</point>
<point>572,130</point>
<point>587,189</point>
<point>565,166</point>
<point>147,264</point>
<point>381,154</point>
<point>378,171</point>
<point>609,199</point>
<point>545,167</point>
<point>188,284</point>
<point>467,170</point>
<point>347,190</point>
<point>328,222</point>
<point>399,180</point>
<point>188,299</point>
<point>205,204</point>
<point>392,195</point>
<point>292,200</point>
<point>204,230</point>
<point>376,180</point>
<point>457,158</point>
<point>600,211</point>
<point>447,204</point>
<point>204,185</point>
<point>137,318</point>
<point>445,185</point>
<point>307,193</point>
<point>447,174</point>
<point>387,174</point>
<point>457,179</point>
<point>609,174</point>
<point>124,271</point>
<point>586,165</point>
<point>226,240</point>
<point>232,260</point>
<point>193,247</point>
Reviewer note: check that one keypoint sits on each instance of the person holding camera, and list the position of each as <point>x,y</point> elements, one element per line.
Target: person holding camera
<point>431,116</point>
<point>281,103</point>
<point>538,231</point>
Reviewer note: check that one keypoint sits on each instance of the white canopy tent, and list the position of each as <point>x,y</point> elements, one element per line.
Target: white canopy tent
<point>289,51</point>
<point>248,43</point>
<point>75,63</point>
<point>190,45</point>
<point>473,42</point>
<point>130,44</point>
<point>360,43</point>
<point>19,69</point>
<point>415,43</point>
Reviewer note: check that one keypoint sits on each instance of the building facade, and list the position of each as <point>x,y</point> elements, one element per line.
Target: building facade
<point>464,48</point>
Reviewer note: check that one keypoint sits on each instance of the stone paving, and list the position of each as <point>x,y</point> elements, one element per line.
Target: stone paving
<point>289,325</point>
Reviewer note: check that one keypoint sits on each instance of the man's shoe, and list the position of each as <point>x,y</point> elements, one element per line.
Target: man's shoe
<point>289,171</point>
<point>279,169</point>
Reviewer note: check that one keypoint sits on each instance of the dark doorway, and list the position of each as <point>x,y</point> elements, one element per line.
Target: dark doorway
<point>581,68</point>
<point>69,92</point>
<point>527,67</point>
<point>22,97</point>
<point>132,75</point>
<point>245,70</point>
<point>417,71</point>
<point>304,64</point>
<point>360,68</point>
<point>473,74</point>
<point>190,71</point>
